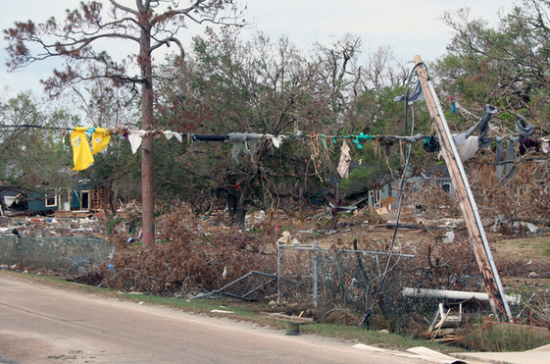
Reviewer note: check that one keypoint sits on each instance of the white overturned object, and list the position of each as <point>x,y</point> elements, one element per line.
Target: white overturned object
<point>286,239</point>
<point>448,237</point>
<point>9,200</point>
<point>457,295</point>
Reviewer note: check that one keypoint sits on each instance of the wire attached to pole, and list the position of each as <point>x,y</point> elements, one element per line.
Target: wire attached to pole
<point>369,311</point>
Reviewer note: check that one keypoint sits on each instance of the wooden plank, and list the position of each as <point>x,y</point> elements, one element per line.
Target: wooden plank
<point>462,196</point>
<point>283,317</point>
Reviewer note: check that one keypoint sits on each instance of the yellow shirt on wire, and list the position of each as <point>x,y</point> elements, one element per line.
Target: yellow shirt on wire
<point>82,155</point>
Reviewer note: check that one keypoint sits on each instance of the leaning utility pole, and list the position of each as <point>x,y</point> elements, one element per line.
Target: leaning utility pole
<point>464,195</point>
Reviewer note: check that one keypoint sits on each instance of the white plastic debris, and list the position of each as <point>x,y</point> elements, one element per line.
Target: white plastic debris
<point>532,228</point>
<point>449,237</point>
<point>221,311</point>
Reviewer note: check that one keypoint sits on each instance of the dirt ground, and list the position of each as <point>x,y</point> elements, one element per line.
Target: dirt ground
<point>369,225</point>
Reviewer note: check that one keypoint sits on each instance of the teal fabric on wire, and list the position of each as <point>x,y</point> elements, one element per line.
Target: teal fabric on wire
<point>323,137</point>
<point>362,137</point>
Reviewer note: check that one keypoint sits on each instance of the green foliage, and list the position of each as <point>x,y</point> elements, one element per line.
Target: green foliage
<point>111,224</point>
<point>375,168</point>
<point>506,65</point>
<point>31,156</point>
<point>254,86</point>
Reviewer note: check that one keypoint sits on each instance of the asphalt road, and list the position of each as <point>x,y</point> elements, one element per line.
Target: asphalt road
<point>41,324</point>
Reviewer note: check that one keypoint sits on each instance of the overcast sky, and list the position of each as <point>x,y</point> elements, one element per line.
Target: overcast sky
<point>410,27</point>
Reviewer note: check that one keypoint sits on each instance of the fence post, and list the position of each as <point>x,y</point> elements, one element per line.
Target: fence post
<point>315,273</point>
<point>378,265</point>
<point>278,274</point>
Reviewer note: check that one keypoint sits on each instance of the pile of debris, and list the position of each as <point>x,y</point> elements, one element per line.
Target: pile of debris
<point>38,226</point>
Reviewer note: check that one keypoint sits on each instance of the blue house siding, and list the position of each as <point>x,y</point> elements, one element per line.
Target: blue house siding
<point>76,200</point>
<point>37,202</point>
<point>391,189</point>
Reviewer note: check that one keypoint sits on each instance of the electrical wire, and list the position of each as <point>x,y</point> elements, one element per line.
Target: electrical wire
<point>34,126</point>
<point>368,312</point>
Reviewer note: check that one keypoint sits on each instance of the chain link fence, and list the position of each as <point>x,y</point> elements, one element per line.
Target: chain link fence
<point>73,256</point>
<point>343,283</point>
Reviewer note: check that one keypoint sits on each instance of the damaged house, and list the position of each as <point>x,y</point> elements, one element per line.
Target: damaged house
<point>83,196</point>
<point>386,195</point>
<point>384,192</point>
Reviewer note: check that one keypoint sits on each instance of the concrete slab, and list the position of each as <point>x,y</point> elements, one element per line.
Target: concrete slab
<point>419,352</point>
<point>542,348</point>
<point>525,357</point>
<point>433,356</point>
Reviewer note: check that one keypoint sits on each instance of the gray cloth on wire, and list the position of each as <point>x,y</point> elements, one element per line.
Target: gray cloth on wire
<point>483,126</point>
<point>242,137</point>
<point>249,147</point>
<point>246,141</point>
<point>416,95</point>
<point>510,157</point>
<point>411,139</point>
<point>500,157</point>
<point>523,128</point>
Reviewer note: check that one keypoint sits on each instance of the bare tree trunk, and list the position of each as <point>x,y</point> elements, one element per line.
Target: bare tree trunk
<point>232,205</point>
<point>147,179</point>
<point>242,202</point>
<point>112,200</point>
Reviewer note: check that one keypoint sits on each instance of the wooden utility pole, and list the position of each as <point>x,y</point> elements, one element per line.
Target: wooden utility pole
<point>472,220</point>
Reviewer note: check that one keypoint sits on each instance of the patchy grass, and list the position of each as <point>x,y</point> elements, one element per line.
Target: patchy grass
<point>254,231</point>
<point>373,337</point>
<point>527,247</point>
<point>500,338</point>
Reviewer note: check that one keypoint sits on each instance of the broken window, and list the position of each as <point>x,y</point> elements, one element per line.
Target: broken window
<point>51,197</point>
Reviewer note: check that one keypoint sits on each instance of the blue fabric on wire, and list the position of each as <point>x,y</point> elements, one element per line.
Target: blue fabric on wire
<point>416,95</point>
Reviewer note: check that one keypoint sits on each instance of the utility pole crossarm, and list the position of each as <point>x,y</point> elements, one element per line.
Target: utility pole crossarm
<point>464,195</point>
